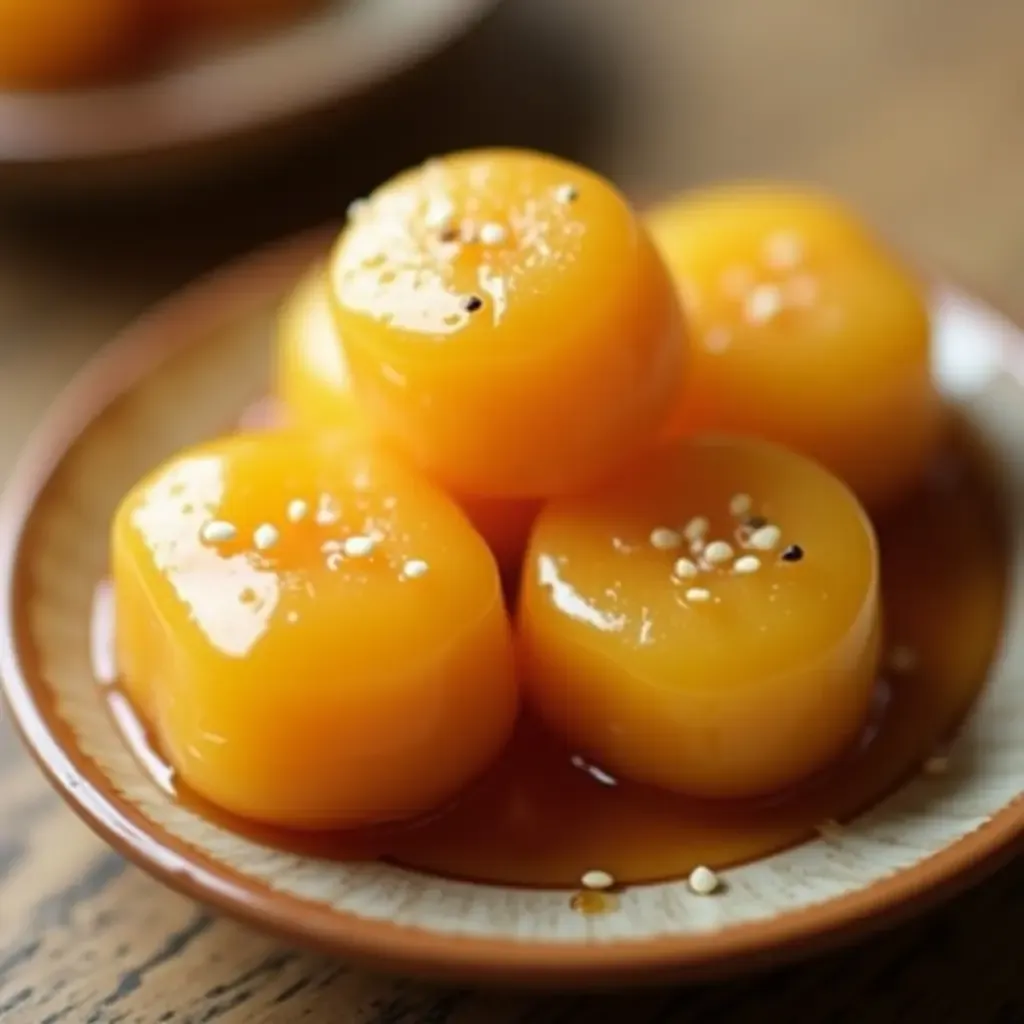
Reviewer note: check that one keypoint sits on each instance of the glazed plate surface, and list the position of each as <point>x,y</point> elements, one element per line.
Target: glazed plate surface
<point>182,375</point>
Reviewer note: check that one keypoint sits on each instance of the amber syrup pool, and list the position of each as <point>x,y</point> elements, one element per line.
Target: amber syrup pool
<point>543,816</point>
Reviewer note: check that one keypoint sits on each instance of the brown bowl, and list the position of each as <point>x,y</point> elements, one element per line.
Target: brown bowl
<point>214,103</point>
<point>181,375</point>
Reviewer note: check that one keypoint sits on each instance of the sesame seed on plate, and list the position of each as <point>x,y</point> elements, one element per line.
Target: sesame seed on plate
<point>764,538</point>
<point>793,553</point>
<point>740,504</point>
<point>492,233</point>
<point>698,594</point>
<point>414,568</point>
<point>664,539</point>
<point>218,530</point>
<point>566,193</point>
<point>471,303</point>
<point>718,551</point>
<point>703,881</point>
<point>746,564</point>
<point>265,536</point>
<point>596,879</point>
<point>696,528</point>
<point>685,569</point>
<point>358,546</point>
<point>297,510</point>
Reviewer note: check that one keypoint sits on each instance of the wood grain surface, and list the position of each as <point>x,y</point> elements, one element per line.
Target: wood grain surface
<point>913,109</point>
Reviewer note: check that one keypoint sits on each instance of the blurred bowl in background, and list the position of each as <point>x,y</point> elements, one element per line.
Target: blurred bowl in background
<point>211,105</point>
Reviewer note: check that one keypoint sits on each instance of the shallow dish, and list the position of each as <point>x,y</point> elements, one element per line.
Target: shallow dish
<point>207,97</point>
<point>181,375</point>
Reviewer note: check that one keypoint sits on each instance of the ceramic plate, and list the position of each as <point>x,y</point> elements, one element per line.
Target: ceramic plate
<point>226,92</point>
<point>180,376</point>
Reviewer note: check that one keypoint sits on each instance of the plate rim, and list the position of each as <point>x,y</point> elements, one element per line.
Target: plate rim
<point>129,119</point>
<point>115,370</point>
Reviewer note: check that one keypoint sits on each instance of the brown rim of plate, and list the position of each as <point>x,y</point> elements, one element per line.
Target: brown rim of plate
<point>175,324</point>
<point>171,107</point>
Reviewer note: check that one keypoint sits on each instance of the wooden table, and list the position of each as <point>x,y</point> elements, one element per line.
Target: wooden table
<point>910,107</point>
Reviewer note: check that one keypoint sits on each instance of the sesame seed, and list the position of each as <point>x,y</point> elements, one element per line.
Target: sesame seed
<point>326,514</point>
<point>937,764</point>
<point>746,564</point>
<point>297,510</point>
<point>471,303</point>
<point>265,536</point>
<point>718,551</point>
<point>763,303</point>
<point>740,504</point>
<point>764,538</point>
<point>358,546</point>
<point>492,233</point>
<point>449,234</point>
<point>793,553</point>
<point>783,250</point>
<point>685,569</point>
<point>218,531</point>
<point>334,561</point>
<point>596,879</point>
<point>414,568</point>
<point>566,193</point>
<point>695,528</point>
<point>292,617</point>
<point>664,539</point>
<point>902,659</point>
<point>703,881</point>
<point>698,594</point>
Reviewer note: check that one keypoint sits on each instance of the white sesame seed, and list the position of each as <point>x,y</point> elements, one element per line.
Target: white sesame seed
<point>297,510</point>
<point>937,764</point>
<point>765,538</point>
<point>357,208</point>
<point>703,881</point>
<point>217,531</point>
<point>685,569</point>
<point>335,561</point>
<point>358,546</point>
<point>783,250</point>
<point>740,504</point>
<point>326,514</point>
<point>746,564</point>
<point>718,551</point>
<point>763,302</point>
<point>265,536</point>
<point>596,879</point>
<point>566,193</point>
<point>492,233</point>
<point>902,659</point>
<point>695,528</point>
<point>664,539</point>
<point>698,594</point>
<point>414,568</point>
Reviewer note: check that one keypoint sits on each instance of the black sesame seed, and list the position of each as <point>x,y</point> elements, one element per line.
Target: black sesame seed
<point>471,303</point>
<point>755,522</point>
<point>793,553</point>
